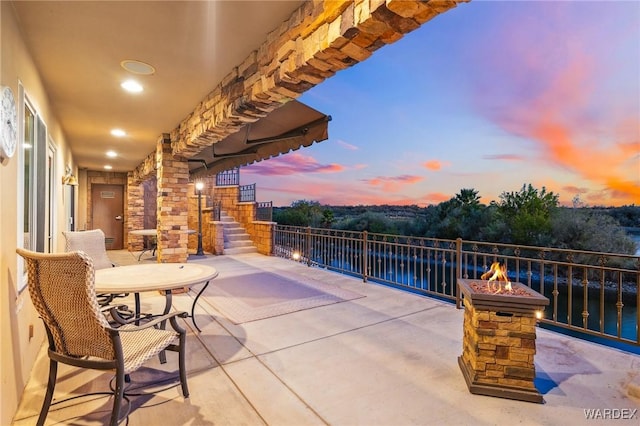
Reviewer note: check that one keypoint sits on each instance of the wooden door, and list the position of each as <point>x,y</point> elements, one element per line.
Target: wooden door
<point>107,213</point>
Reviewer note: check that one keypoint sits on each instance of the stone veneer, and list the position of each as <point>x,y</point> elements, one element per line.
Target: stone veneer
<point>499,345</point>
<point>173,185</point>
<point>262,236</point>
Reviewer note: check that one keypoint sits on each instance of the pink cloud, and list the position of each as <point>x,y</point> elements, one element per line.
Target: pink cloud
<point>290,164</point>
<point>505,157</point>
<point>394,183</point>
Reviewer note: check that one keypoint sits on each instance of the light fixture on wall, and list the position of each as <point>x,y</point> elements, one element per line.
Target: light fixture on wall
<point>199,187</point>
<point>69,178</point>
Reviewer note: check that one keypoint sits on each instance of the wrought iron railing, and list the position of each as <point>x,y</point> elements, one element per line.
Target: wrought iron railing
<point>590,293</point>
<point>216,209</point>
<point>228,177</point>
<point>264,211</point>
<point>247,193</point>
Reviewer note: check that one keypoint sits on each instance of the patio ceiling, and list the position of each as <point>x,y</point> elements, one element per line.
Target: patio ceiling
<point>78,47</point>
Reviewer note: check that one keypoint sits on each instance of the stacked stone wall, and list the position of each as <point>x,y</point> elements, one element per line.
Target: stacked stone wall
<point>500,349</point>
<point>262,236</point>
<point>173,186</point>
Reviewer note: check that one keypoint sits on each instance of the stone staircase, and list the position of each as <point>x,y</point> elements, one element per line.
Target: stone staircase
<point>236,239</point>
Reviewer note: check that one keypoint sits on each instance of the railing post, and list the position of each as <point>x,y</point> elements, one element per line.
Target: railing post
<point>365,255</point>
<point>308,246</point>
<point>458,270</point>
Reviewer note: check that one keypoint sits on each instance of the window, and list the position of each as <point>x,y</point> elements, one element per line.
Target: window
<point>32,195</point>
<point>28,177</point>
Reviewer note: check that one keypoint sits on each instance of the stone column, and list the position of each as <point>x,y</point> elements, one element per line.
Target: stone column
<point>173,180</point>
<point>216,237</point>
<point>135,213</point>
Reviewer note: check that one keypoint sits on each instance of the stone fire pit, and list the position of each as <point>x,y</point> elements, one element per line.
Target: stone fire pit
<point>499,340</point>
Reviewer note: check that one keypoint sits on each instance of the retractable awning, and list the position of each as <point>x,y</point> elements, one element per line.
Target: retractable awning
<point>285,129</point>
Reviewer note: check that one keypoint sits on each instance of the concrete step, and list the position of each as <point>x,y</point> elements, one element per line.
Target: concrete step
<point>236,237</point>
<point>234,230</point>
<point>240,250</point>
<point>242,243</point>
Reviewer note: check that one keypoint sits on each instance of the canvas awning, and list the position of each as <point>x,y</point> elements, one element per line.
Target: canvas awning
<point>285,129</point>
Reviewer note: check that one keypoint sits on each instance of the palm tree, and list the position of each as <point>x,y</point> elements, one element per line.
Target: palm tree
<point>468,197</point>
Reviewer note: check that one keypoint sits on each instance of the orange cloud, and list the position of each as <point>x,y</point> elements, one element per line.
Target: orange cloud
<point>436,197</point>
<point>393,184</point>
<point>291,164</point>
<point>432,165</point>
<point>435,165</point>
<point>566,98</point>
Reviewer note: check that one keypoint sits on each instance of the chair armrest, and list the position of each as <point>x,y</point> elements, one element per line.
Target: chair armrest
<point>116,314</point>
<point>170,316</point>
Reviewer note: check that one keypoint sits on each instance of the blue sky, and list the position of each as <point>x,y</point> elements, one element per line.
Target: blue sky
<point>490,95</point>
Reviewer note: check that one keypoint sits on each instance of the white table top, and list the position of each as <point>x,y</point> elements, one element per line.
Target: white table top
<point>152,276</point>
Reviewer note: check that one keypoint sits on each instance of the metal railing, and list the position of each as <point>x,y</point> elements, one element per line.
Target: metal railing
<point>264,211</point>
<point>590,293</point>
<point>228,177</point>
<point>247,193</point>
<point>216,209</point>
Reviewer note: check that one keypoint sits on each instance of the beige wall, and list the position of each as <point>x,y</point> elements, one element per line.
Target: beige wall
<point>16,312</point>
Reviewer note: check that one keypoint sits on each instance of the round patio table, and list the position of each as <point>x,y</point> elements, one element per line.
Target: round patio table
<point>164,277</point>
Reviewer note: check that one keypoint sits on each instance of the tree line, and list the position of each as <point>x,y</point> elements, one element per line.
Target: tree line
<point>529,216</point>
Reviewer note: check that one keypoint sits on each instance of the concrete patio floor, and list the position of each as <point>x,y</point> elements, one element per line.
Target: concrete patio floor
<point>388,358</point>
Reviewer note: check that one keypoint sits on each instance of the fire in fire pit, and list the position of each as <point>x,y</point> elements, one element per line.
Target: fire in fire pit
<point>496,275</point>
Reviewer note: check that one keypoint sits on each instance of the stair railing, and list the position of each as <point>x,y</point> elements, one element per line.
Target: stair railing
<point>228,177</point>
<point>247,193</point>
<point>264,211</point>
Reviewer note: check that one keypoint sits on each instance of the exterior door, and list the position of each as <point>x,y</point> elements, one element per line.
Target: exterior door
<point>107,213</point>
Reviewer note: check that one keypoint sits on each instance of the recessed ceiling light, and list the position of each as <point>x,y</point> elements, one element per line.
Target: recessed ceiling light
<point>132,86</point>
<point>137,67</point>
<point>118,133</point>
<point>108,167</point>
<point>112,154</point>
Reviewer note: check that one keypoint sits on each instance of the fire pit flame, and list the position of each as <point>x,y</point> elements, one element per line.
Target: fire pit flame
<point>496,275</point>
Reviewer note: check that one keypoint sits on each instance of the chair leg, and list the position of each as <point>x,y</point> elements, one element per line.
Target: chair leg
<point>117,397</point>
<point>182,364</point>
<point>51,384</point>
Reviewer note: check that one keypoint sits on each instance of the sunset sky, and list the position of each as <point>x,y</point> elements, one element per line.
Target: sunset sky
<point>490,95</point>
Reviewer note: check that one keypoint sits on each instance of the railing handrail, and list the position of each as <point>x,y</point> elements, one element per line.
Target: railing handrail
<point>228,177</point>
<point>247,193</point>
<point>591,293</point>
<point>264,211</point>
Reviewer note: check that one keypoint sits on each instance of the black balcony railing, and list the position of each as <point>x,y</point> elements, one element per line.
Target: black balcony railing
<point>264,211</point>
<point>228,177</point>
<point>247,193</point>
<point>592,294</point>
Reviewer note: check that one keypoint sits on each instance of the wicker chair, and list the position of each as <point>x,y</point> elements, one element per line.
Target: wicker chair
<point>92,242</point>
<point>62,290</point>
